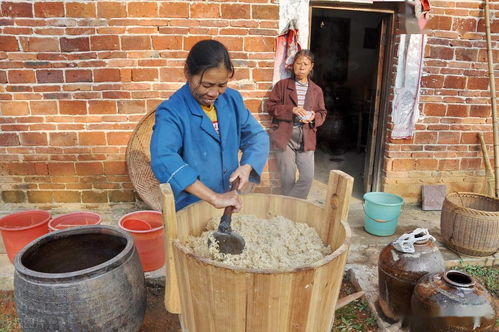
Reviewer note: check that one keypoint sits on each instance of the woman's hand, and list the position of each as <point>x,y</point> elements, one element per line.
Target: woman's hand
<point>230,198</point>
<point>243,172</point>
<point>299,111</point>
<point>311,117</point>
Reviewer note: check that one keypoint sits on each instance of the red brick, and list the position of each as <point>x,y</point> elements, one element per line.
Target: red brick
<point>49,9</point>
<point>263,74</point>
<point>63,139</point>
<point>131,106</point>
<point>457,110</point>
<point>43,107</point>
<point>105,42</point>
<point>13,196</point>
<point>259,44</point>
<point>173,9</point>
<point>14,108</point>
<point>3,77</point>
<point>21,76</point>
<point>142,9</point>
<point>471,163</point>
<point>448,137</point>
<point>144,74</point>
<point>67,196</point>
<point>478,83</point>
<point>190,41</point>
<point>75,44</point>
<point>438,22</point>
<point>237,11</point>
<point>111,9</point>
<point>89,168</point>
<point>35,44</point>
<point>8,44</point>
<point>101,107</point>
<point>73,107</point>
<point>121,196</point>
<point>17,9</point>
<point>80,9</point>
<point>469,138</point>
<point>107,75</point>
<point>49,76</point>
<point>432,81</point>
<point>482,111</point>
<point>167,42</point>
<point>433,109</point>
<point>8,139</point>
<point>441,52</point>
<point>115,168</point>
<point>403,164</point>
<point>463,25</point>
<point>466,54</point>
<point>454,82</point>
<point>78,76</point>
<point>425,137</point>
<point>265,12</point>
<point>448,164</point>
<point>92,138</point>
<point>118,138</point>
<point>94,196</point>
<point>21,168</point>
<point>426,164</point>
<point>61,169</point>
<point>40,196</point>
<point>135,43</point>
<point>172,75</point>
<point>33,139</point>
<point>205,10</point>
<point>232,43</point>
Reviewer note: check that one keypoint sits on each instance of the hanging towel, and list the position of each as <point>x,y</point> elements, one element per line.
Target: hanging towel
<point>286,48</point>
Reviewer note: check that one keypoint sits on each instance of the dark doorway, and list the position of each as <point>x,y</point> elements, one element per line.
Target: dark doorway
<point>349,48</point>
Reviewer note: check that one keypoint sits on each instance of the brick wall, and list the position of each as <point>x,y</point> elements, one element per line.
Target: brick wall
<point>76,77</point>
<point>454,104</point>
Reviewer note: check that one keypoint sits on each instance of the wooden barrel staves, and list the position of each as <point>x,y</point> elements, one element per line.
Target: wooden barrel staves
<point>211,297</point>
<point>469,223</point>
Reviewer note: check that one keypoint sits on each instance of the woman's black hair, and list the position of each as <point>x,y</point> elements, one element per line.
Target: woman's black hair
<point>306,53</point>
<point>207,54</point>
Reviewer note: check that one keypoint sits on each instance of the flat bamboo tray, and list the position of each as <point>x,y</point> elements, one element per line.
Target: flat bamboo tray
<point>138,161</point>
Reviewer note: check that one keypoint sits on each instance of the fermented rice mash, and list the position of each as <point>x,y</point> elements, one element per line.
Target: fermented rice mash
<point>277,243</point>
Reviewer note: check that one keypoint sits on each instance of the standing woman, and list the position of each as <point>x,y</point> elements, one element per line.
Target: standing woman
<point>297,108</point>
<point>200,130</point>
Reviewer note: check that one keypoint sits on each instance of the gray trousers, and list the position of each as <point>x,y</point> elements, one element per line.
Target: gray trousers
<point>295,158</point>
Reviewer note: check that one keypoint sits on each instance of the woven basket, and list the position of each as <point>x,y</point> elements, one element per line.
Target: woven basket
<point>138,161</point>
<point>469,223</point>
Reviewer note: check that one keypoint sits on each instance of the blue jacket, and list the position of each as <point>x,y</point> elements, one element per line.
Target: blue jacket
<point>186,147</point>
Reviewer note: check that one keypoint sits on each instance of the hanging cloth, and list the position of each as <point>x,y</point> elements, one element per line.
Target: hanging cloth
<point>286,48</point>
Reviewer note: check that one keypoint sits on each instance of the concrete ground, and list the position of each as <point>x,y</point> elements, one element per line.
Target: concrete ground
<point>364,249</point>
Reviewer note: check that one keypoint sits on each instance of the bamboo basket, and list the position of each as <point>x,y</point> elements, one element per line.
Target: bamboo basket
<point>138,162</point>
<point>469,223</point>
<point>211,297</point>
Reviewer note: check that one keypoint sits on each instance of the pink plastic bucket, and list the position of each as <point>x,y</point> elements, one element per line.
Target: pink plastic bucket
<point>74,219</point>
<point>20,228</point>
<point>146,227</point>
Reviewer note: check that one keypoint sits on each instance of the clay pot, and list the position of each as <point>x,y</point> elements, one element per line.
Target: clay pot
<point>399,272</point>
<point>451,301</point>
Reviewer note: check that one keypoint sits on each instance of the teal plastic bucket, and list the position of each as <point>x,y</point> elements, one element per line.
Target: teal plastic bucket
<point>381,213</point>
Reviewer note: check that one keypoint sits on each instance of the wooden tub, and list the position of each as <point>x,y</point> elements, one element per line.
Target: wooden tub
<point>211,297</point>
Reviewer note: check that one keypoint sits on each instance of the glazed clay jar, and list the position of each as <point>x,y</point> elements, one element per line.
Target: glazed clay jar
<point>399,272</point>
<point>451,301</point>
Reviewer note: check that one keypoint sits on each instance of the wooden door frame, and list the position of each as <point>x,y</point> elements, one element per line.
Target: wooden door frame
<point>377,156</point>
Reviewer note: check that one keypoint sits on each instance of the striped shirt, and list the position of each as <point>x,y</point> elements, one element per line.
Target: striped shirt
<point>301,91</point>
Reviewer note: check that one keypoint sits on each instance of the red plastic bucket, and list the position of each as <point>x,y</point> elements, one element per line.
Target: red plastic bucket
<point>146,227</point>
<point>20,228</point>
<point>74,219</point>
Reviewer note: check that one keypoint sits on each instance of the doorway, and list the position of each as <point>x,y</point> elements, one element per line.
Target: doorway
<point>350,49</point>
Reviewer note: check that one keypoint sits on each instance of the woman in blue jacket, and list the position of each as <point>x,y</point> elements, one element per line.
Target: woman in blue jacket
<point>200,130</point>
